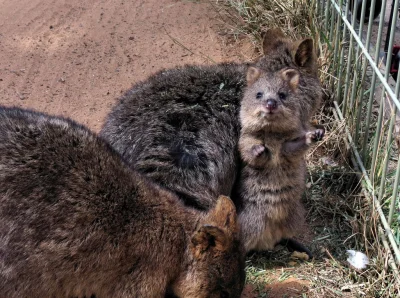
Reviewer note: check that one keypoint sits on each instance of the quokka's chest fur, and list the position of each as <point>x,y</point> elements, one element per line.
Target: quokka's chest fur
<point>279,177</point>
<point>278,183</point>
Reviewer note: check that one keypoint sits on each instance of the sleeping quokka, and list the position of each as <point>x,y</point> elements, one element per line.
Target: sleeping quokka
<point>181,126</point>
<point>275,135</point>
<point>76,221</point>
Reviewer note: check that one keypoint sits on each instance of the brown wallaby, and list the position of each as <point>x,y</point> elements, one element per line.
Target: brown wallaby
<point>76,221</point>
<point>275,135</point>
<point>181,126</point>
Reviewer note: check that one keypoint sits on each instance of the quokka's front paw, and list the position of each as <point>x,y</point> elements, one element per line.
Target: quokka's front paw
<point>257,150</point>
<point>315,136</point>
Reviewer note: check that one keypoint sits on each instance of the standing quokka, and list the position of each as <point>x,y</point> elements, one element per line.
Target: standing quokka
<point>275,136</point>
<point>76,221</point>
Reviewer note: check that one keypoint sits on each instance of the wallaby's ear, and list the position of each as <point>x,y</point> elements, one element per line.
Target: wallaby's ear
<point>252,75</point>
<point>272,39</point>
<point>292,76</point>
<point>219,228</point>
<point>223,215</point>
<point>209,238</point>
<point>305,56</point>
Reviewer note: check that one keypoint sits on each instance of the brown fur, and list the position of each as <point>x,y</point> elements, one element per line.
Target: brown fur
<point>75,221</point>
<point>273,143</point>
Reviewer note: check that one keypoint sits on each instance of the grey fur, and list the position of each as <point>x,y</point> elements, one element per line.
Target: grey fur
<point>180,128</point>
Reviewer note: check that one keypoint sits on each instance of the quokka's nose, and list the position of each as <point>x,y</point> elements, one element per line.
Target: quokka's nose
<point>271,104</point>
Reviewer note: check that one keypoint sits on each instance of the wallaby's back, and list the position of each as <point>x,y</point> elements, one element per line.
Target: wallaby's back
<point>180,128</point>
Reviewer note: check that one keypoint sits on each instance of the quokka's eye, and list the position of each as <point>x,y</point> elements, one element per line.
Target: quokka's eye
<point>282,95</point>
<point>259,95</point>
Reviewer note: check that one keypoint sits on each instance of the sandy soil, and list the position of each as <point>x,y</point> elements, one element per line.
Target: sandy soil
<point>75,58</point>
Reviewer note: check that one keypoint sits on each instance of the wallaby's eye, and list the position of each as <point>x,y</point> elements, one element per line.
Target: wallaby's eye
<point>259,95</point>
<point>282,95</point>
<point>224,294</point>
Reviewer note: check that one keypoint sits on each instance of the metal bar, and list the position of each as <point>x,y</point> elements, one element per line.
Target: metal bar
<point>356,68</point>
<point>389,51</point>
<point>332,19</point>
<point>322,5</point>
<point>327,9</point>
<point>387,71</point>
<point>377,139</point>
<point>365,145</point>
<point>349,60</point>
<point>395,190</point>
<point>360,104</point>
<point>386,161</point>
<point>340,79</point>
<point>336,47</point>
<point>392,120</point>
<point>364,73</point>
<point>397,179</point>
<point>376,73</point>
<point>371,96</point>
<point>390,28</point>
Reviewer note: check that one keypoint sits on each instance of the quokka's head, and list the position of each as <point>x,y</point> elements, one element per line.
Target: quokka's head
<point>283,84</point>
<point>217,257</point>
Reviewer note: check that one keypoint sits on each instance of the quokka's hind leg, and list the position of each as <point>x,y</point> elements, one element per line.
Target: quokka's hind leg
<point>294,245</point>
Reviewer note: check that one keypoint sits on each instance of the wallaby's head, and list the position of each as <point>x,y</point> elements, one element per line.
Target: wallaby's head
<point>217,257</point>
<point>283,88</point>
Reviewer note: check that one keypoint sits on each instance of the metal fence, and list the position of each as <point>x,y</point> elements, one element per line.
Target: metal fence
<point>362,39</point>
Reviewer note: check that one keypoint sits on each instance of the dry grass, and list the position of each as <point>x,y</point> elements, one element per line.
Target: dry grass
<point>340,217</point>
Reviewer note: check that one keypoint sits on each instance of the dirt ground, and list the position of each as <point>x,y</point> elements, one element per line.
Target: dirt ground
<point>75,58</point>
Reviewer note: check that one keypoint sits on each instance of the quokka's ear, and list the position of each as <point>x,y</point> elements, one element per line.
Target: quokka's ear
<point>305,56</point>
<point>252,75</point>
<point>272,39</point>
<point>209,238</point>
<point>292,76</point>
